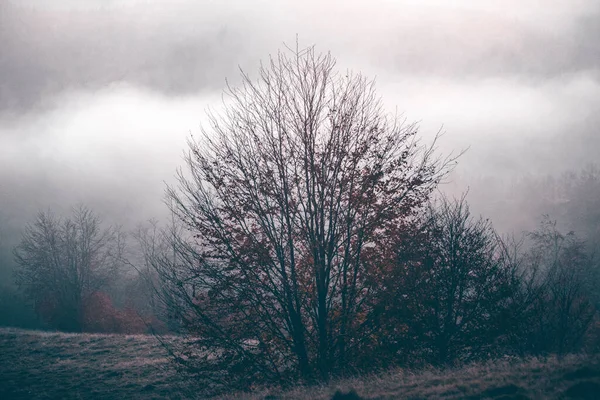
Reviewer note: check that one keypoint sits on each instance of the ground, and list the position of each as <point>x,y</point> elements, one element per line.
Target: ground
<point>49,365</point>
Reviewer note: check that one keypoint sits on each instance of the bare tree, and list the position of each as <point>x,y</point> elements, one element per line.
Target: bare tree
<point>453,285</point>
<point>291,198</point>
<point>157,248</point>
<point>472,281</point>
<point>63,261</point>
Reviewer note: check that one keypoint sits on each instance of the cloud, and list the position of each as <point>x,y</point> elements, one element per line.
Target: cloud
<point>112,150</point>
<point>47,52</point>
<point>184,47</point>
<point>97,97</point>
<point>467,38</point>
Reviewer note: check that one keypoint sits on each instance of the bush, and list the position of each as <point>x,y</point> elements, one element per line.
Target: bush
<point>101,316</point>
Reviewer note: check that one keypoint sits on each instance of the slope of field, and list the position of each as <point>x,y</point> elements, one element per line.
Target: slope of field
<point>46,365</point>
<point>49,365</point>
<point>573,377</point>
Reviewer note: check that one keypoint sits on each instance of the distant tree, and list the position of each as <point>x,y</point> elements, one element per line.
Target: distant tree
<point>580,212</point>
<point>14,310</point>
<point>291,200</point>
<point>556,310</point>
<point>63,261</point>
<point>154,244</point>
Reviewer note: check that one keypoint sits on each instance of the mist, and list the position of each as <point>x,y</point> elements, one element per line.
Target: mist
<point>97,100</point>
<point>306,238</point>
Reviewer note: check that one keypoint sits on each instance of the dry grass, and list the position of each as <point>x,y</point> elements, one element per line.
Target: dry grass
<point>51,365</point>
<point>43,365</point>
<point>548,378</point>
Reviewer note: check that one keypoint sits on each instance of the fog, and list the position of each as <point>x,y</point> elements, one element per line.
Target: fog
<point>97,100</point>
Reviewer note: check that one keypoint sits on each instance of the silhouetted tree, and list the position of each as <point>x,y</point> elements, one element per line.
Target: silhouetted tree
<point>292,200</point>
<point>453,284</point>
<point>63,261</point>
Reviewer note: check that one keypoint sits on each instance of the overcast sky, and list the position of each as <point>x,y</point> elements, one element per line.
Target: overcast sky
<point>98,97</point>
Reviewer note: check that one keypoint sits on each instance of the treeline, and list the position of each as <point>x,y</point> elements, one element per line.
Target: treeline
<point>571,203</point>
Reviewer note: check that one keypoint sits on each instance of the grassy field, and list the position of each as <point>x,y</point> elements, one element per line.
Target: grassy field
<point>48,365</point>
<point>45,365</point>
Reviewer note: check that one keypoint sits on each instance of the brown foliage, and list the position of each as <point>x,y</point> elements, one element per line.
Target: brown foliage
<point>101,316</point>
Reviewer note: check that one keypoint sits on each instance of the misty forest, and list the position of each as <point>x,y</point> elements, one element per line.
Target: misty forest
<point>319,200</point>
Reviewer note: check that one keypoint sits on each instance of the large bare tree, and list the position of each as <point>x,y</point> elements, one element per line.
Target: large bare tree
<point>291,198</point>
<point>63,261</point>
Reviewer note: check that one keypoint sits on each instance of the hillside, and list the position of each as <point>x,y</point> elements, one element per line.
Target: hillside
<point>47,365</point>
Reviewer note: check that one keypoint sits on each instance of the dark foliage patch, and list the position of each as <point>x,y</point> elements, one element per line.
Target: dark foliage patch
<point>508,390</point>
<point>351,395</point>
<point>513,397</point>
<point>582,373</point>
<point>584,390</point>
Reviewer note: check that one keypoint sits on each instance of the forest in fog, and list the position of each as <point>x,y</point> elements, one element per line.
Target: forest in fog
<point>325,215</point>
